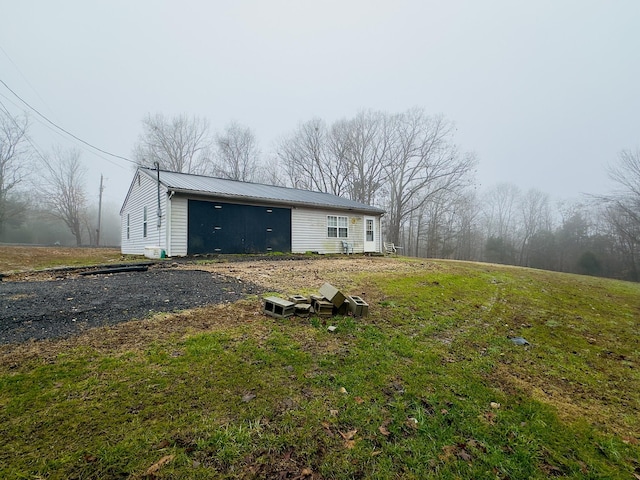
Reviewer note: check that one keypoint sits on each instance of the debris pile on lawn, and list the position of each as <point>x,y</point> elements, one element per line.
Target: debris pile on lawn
<point>328,303</point>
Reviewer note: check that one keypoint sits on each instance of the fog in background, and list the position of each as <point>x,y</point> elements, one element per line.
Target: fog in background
<point>545,93</point>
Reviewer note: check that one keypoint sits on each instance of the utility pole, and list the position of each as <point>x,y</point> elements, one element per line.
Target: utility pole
<point>99,213</point>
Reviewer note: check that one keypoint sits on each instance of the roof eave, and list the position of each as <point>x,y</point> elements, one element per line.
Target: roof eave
<point>273,201</point>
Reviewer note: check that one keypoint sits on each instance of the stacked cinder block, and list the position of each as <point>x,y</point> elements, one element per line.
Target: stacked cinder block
<point>357,306</point>
<point>278,307</point>
<point>331,301</point>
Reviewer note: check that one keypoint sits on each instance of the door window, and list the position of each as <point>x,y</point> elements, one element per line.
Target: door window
<point>369,232</point>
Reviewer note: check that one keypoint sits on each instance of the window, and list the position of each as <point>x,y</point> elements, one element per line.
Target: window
<point>144,223</point>
<point>128,225</point>
<point>369,230</point>
<point>337,227</point>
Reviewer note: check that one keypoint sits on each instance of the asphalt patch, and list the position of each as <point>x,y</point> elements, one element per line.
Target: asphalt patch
<point>65,307</point>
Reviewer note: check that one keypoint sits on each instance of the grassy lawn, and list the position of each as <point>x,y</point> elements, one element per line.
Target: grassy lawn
<point>16,258</point>
<point>427,386</point>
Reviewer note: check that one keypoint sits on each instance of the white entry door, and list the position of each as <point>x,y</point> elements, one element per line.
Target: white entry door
<point>370,234</point>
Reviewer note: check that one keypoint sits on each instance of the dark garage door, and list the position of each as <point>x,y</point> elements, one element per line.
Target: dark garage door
<point>216,227</point>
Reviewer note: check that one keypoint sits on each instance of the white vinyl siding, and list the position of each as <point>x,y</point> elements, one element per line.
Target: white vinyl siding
<point>309,231</point>
<point>143,194</point>
<point>179,227</point>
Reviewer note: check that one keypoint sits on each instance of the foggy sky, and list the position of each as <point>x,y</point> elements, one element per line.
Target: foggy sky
<point>546,93</point>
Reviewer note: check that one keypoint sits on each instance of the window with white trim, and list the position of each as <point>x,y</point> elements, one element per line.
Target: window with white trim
<point>144,223</point>
<point>337,227</point>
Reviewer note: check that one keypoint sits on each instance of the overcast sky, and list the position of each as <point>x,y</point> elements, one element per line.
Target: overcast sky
<point>545,92</point>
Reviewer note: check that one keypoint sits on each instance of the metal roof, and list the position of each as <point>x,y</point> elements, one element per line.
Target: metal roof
<point>233,189</point>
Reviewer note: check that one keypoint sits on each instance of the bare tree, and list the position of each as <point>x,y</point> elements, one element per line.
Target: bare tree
<point>236,153</point>
<point>63,192</point>
<point>369,138</point>
<point>422,164</point>
<point>500,208</point>
<point>626,230</point>
<point>312,160</point>
<point>469,236</point>
<point>180,144</point>
<point>270,172</point>
<point>536,217</point>
<point>622,208</point>
<point>338,153</point>
<point>15,157</point>
<point>302,155</point>
<point>345,158</point>
<point>626,172</point>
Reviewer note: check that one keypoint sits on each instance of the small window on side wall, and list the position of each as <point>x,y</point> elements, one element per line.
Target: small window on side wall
<point>337,227</point>
<point>144,223</point>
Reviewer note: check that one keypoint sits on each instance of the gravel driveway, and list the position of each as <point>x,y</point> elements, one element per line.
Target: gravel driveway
<point>60,308</point>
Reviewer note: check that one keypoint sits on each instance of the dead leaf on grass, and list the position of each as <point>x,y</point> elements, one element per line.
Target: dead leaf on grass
<point>247,397</point>
<point>383,430</point>
<point>348,435</point>
<point>162,444</point>
<point>327,427</point>
<point>489,417</point>
<point>448,452</point>
<point>349,438</point>
<point>464,455</point>
<point>412,423</point>
<point>159,464</point>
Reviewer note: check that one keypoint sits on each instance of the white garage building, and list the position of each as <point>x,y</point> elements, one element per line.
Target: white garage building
<point>186,214</point>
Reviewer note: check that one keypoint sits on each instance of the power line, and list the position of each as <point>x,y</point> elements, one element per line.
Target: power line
<point>31,142</point>
<point>62,129</point>
<point>48,127</point>
<point>25,79</point>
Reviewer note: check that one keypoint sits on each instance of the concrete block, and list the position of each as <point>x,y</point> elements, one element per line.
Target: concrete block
<point>332,294</point>
<point>303,309</point>
<point>323,308</point>
<point>359,308</point>
<point>278,307</point>
<point>343,310</point>
<point>298,299</point>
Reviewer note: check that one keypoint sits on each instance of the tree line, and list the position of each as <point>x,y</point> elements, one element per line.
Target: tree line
<point>407,163</point>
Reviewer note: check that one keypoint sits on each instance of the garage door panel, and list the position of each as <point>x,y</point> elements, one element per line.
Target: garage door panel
<point>216,227</point>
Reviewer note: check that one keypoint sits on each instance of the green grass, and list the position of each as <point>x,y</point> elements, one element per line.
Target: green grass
<point>427,386</point>
<point>27,258</point>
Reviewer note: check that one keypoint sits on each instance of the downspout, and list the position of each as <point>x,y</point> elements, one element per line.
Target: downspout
<point>168,222</point>
<point>159,212</point>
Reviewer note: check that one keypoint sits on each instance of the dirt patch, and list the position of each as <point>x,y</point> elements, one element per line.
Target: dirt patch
<point>202,310</point>
<point>14,259</point>
<point>307,275</point>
